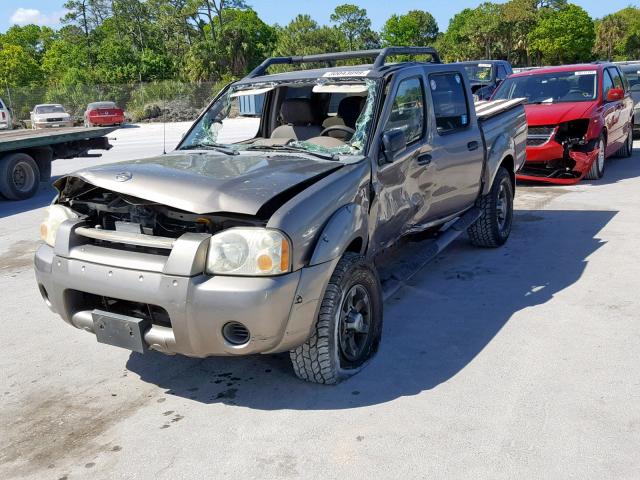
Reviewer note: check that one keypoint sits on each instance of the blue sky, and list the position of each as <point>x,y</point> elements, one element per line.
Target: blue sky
<point>281,11</point>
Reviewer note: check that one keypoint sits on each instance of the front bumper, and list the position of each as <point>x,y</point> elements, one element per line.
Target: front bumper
<point>279,312</point>
<point>552,163</point>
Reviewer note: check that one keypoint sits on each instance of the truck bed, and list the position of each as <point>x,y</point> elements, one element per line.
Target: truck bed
<point>26,138</point>
<point>503,125</point>
<point>490,108</point>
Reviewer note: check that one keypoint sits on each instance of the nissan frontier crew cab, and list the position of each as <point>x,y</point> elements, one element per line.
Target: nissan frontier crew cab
<point>261,234</point>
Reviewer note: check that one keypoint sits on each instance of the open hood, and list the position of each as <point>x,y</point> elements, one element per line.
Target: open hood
<point>208,182</point>
<point>555,113</point>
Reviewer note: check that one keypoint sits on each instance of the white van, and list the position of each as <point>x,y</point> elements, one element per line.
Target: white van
<point>5,116</point>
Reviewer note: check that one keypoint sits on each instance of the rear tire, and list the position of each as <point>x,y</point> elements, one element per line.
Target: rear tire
<point>627,150</point>
<point>349,325</point>
<point>19,176</point>
<point>596,171</point>
<point>493,227</point>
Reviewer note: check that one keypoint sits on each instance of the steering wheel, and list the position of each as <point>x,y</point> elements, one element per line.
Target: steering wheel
<point>338,128</point>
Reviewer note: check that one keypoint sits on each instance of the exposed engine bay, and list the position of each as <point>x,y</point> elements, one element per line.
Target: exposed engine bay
<point>108,210</point>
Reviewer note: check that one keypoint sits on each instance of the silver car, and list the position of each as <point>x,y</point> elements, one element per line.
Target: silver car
<point>50,115</point>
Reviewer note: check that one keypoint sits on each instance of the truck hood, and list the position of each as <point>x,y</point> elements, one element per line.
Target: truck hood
<point>555,113</point>
<point>209,182</point>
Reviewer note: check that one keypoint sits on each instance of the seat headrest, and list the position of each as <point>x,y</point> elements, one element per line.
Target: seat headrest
<point>297,111</point>
<point>349,110</point>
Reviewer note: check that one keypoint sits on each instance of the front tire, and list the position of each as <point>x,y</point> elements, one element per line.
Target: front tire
<point>493,227</point>
<point>596,172</point>
<point>627,150</point>
<point>349,325</point>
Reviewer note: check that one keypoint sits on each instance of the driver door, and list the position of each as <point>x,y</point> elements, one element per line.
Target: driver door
<point>401,186</point>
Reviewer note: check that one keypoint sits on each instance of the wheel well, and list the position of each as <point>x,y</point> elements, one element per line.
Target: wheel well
<point>508,163</point>
<point>355,246</point>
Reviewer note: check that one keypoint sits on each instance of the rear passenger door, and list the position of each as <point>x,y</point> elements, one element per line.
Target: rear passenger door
<point>457,151</point>
<point>613,111</point>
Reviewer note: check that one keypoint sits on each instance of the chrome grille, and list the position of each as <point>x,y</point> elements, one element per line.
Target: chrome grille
<point>539,135</point>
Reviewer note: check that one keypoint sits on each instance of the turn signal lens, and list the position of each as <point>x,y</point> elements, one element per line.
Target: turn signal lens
<point>55,215</point>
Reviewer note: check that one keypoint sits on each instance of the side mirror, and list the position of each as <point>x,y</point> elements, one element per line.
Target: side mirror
<point>394,142</point>
<point>615,94</point>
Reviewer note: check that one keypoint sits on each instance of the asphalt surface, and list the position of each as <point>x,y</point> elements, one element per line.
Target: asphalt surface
<point>519,362</point>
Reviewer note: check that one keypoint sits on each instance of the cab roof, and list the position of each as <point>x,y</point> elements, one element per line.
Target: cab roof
<point>563,68</point>
<point>368,70</point>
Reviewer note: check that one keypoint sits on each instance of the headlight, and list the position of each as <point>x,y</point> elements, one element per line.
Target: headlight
<point>55,215</point>
<point>248,251</point>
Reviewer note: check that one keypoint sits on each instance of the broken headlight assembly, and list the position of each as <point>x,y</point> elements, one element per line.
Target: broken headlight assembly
<point>249,251</point>
<point>573,132</point>
<point>54,216</point>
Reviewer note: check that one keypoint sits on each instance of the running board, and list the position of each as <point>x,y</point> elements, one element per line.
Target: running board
<point>416,258</point>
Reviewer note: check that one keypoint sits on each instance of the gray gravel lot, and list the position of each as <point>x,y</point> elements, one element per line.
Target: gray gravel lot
<point>520,362</point>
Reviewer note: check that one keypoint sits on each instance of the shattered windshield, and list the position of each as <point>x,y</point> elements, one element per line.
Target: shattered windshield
<point>326,117</point>
<point>557,87</point>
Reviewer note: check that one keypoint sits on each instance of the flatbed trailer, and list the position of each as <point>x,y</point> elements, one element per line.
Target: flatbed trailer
<point>26,155</point>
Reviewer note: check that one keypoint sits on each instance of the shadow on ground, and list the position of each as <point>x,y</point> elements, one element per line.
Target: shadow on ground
<point>45,195</point>
<point>434,327</point>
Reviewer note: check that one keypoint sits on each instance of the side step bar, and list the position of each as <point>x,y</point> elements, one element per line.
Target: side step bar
<point>397,279</point>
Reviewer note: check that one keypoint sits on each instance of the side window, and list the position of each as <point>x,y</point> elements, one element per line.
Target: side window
<point>607,84</point>
<point>449,101</point>
<point>502,72</point>
<point>407,112</point>
<point>615,76</point>
<point>625,80</point>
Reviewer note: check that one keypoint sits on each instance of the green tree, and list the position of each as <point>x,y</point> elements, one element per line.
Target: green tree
<point>561,36</point>
<point>303,36</point>
<point>415,28</point>
<point>33,38</point>
<point>353,22</point>
<point>17,67</point>
<point>484,28</point>
<point>455,44</point>
<point>610,34</point>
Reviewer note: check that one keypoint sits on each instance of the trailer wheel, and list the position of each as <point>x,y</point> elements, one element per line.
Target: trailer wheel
<point>19,176</point>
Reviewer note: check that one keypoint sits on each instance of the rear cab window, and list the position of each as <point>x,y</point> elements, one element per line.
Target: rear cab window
<point>450,104</point>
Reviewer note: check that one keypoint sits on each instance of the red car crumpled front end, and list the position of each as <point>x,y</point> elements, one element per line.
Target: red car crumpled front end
<point>560,153</point>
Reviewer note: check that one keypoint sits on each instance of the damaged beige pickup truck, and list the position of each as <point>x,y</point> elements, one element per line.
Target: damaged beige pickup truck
<point>260,233</point>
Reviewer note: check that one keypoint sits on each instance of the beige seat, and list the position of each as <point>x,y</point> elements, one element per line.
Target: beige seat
<point>298,119</point>
<point>349,110</point>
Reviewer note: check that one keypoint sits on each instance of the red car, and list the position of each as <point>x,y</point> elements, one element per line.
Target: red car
<point>578,115</point>
<point>100,114</point>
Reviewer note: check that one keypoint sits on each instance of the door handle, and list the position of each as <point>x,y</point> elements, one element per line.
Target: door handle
<point>423,159</point>
<point>472,146</point>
